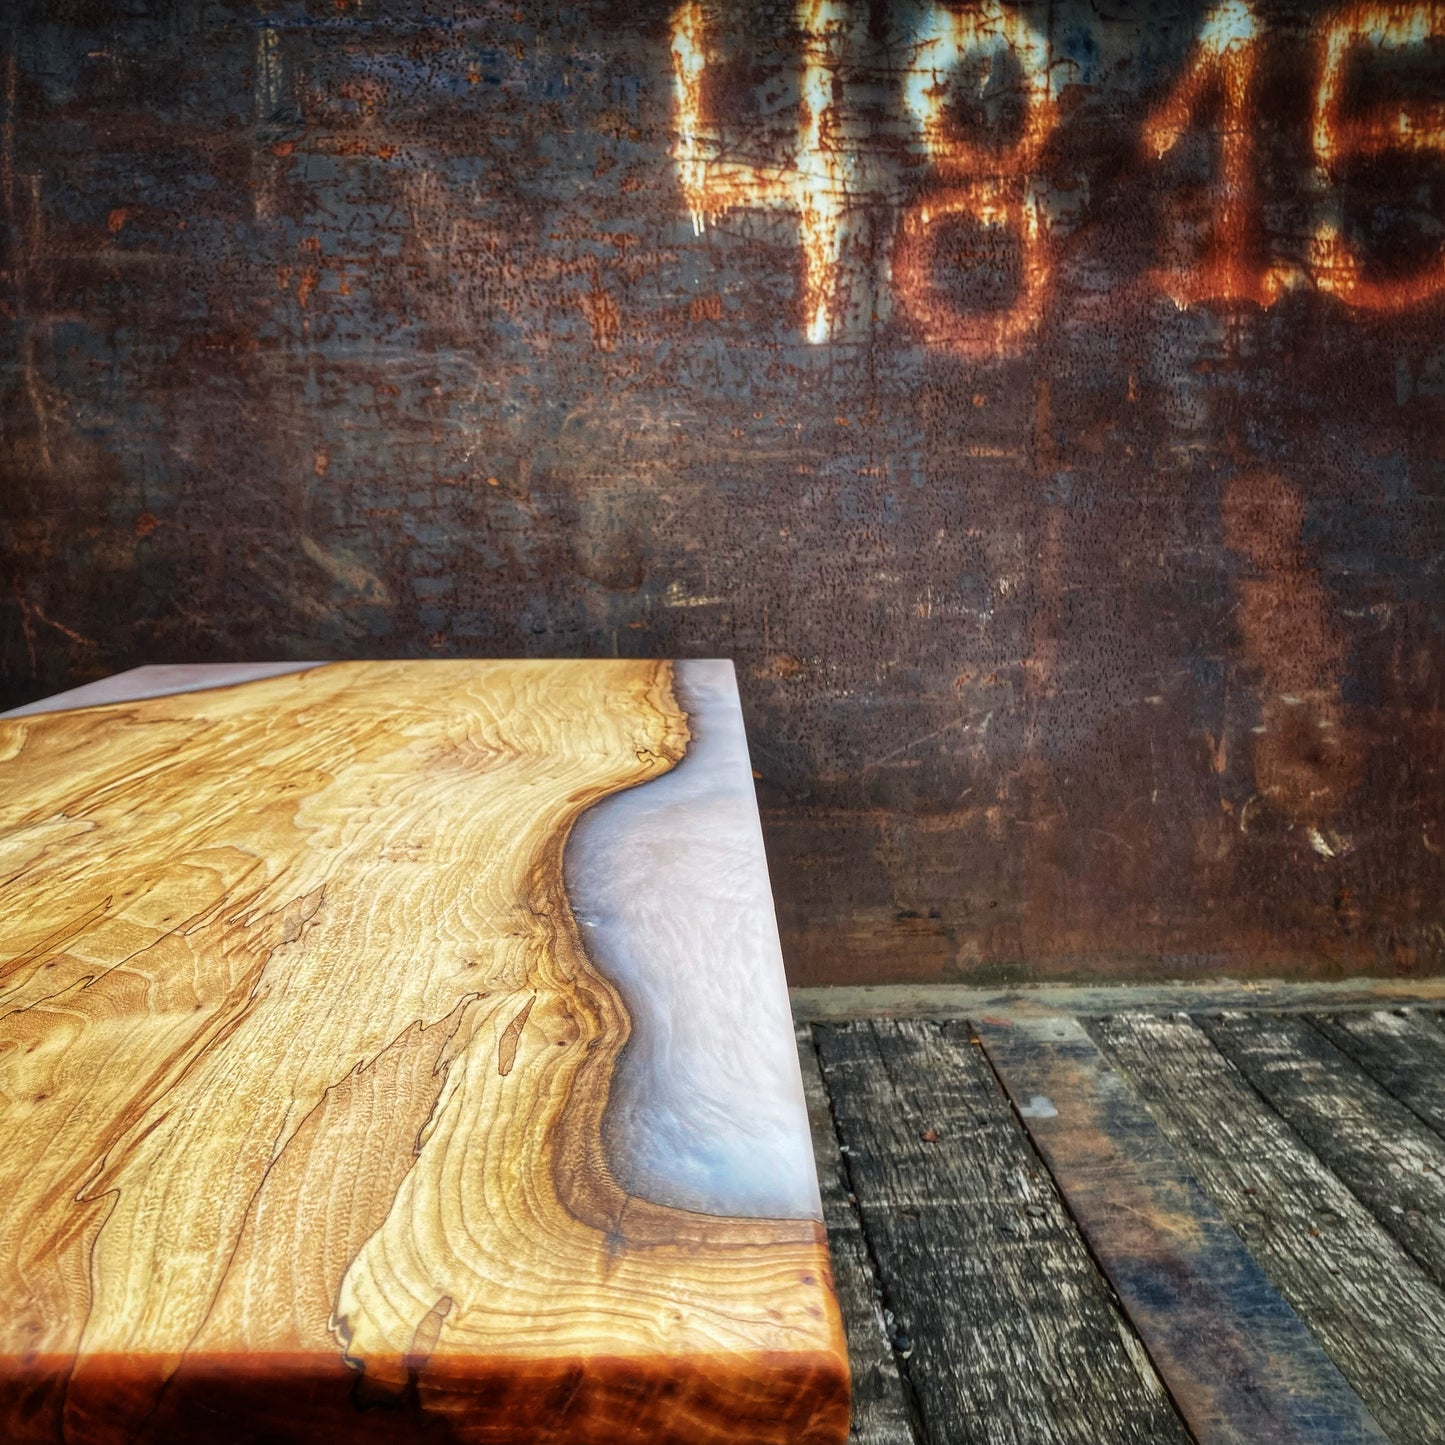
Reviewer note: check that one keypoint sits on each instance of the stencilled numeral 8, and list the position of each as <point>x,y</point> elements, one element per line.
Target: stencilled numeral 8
<point>996,188</point>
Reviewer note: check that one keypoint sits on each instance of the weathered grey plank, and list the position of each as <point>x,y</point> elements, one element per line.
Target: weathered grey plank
<point>1394,1164</point>
<point>1011,1334</point>
<point>1240,1364</point>
<point>880,1407</point>
<point>1378,1316</point>
<point>1401,1049</point>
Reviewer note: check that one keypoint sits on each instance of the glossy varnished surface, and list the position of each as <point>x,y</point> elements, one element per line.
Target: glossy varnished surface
<point>670,886</point>
<point>305,1072</point>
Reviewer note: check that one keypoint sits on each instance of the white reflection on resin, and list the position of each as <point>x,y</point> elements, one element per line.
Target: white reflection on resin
<point>159,680</point>
<point>669,885</point>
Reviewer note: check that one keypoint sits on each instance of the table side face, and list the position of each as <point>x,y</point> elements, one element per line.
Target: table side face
<point>394,1047</point>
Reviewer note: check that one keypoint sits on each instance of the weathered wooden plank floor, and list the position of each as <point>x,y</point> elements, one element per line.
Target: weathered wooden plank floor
<point>1221,1225</point>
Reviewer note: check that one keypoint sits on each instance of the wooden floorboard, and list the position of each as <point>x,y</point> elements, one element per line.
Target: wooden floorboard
<point>1005,1329</point>
<point>985,1301</point>
<point>1403,1050</point>
<point>1370,1305</point>
<point>881,1410</point>
<point>1240,1364</point>
<point>1392,1162</point>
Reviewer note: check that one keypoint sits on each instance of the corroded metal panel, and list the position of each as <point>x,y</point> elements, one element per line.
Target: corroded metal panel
<point>1041,402</point>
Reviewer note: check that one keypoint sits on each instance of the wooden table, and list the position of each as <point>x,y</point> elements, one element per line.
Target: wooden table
<point>400,1051</point>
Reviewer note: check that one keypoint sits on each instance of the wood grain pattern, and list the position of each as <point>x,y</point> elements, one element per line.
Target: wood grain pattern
<point>1007,1333</point>
<point>1390,1161</point>
<point>1401,1049</point>
<point>1239,1365</point>
<point>304,1067</point>
<point>1372,1308</point>
<point>882,1411</point>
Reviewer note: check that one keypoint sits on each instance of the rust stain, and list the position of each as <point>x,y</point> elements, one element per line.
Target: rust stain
<point>602,316</point>
<point>896,352</point>
<point>995,193</point>
<point>987,209</point>
<point>1417,127</point>
<point>812,184</point>
<point>1224,64</point>
<point>1303,759</point>
<point>822,167</point>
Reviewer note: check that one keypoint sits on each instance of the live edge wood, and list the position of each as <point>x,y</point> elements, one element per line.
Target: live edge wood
<point>304,1067</point>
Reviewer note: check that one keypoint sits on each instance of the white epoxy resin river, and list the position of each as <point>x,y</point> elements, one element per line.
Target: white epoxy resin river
<point>669,885</point>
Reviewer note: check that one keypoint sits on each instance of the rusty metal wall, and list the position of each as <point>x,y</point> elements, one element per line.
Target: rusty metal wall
<point>1043,405</point>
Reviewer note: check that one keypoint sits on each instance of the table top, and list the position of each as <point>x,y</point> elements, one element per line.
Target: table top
<point>401,1050</point>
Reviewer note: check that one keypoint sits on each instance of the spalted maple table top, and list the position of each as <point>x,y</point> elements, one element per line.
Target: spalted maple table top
<point>401,1051</point>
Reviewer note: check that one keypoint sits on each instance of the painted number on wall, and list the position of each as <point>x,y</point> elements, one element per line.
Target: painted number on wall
<point>999,190</point>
